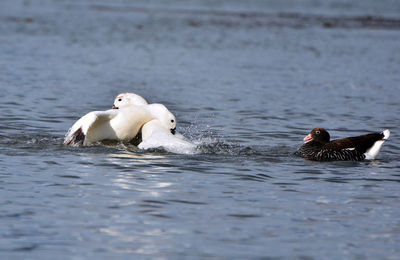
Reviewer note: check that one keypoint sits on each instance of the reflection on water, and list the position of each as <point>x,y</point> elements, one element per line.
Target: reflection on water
<point>246,81</point>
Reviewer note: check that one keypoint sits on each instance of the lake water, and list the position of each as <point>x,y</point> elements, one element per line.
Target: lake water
<point>247,81</point>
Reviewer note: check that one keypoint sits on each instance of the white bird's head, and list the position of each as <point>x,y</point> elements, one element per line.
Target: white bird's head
<point>167,119</point>
<point>128,99</point>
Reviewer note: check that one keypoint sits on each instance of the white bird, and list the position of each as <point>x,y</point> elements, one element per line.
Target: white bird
<point>154,135</point>
<point>128,99</point>
<point>130,112</point>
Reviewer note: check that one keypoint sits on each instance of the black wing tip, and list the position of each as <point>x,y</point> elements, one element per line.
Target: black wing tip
<point>76,139</point>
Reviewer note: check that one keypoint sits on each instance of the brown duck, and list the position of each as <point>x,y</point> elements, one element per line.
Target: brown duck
<point>318,146</point>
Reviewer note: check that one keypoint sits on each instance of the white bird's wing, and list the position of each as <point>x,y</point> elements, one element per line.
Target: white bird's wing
<point>77,133</point>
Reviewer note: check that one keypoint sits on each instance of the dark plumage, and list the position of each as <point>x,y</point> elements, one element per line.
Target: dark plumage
<point>76,139</point>
<point>318,146</point>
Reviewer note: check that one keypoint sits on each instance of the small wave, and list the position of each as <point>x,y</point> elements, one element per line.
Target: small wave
<point>217,146</point>
<point>206,144</point>
<point>30,141</point>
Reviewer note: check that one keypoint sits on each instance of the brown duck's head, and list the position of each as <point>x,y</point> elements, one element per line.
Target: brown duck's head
<point>319,135</point>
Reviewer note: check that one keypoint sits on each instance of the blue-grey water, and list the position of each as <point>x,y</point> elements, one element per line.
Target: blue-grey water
<point>245,79</point>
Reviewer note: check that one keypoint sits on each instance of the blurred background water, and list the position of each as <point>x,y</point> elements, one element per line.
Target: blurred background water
<point>245,79</point>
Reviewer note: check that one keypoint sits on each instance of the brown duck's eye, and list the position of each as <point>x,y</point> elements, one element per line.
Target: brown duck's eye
<point>120,99</point>
<point>172,120</point>
<point>317,132</point>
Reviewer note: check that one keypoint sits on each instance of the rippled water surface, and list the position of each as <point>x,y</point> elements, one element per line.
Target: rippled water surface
<point>247,81</point>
